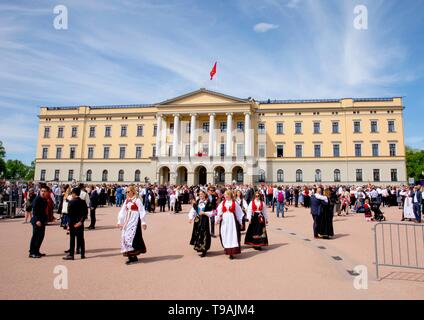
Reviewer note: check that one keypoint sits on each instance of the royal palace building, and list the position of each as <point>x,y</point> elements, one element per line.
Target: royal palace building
<point>210,137</point>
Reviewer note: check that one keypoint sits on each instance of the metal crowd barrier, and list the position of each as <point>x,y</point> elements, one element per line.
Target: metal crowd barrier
<point>399,244</point>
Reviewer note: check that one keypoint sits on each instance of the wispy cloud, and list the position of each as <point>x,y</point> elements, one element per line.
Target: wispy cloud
<point>264,27</point>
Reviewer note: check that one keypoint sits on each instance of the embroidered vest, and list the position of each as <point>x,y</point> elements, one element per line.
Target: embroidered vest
<point>255,208</point>
<point>231,209</point>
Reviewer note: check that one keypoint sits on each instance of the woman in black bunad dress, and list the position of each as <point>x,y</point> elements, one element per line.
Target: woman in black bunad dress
<point>200,213</point>
<point>257,216</point>
<point>131,220</point>
<point>243,205</point>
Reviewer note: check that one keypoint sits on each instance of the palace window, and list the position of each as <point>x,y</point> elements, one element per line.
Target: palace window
<point>137,176</point>
<point>123,131</point>
<point>74,132</point>
<point>317,127</point>
<point>280,150</point>
<point>376,175</point>
<point>70,175</point>
<point>138,152</point>
<point>72,153</point>
<point>108,131</point>
<point>60,132</point>
<point>121,152</point>
<point>121,175</point>
<point>47,132</point>
<point>359,175</point>
<point>59,153</point>
<point>374,126</point>
<point>261,176</point>
<point>140,130</point>
<point>356,126</point>
<point>337,175</point>
<point>205,126</point>
<point>358,150</point>
<point>318,177</point>
<point>223,126</point>
<point>240,126</point>
<point>336,150</point>
<point>104,176</point>
<point>56,175</point>
<point>280,175</point>
<point>391,125</point>
<point>393,175</point>
<point>335,126</point>
<point>106,151</point>
<point>375,149</point>
<point>298,151</point>
<point>298,128</point>
<point>392,149</point>
<point>317,151</point>
<point>92,132</point>
<point>89,174</point>
<point>45,153</point>
<point>43,175</point>
<point>280,128</point>
<point>261,128</point>
<point>299,175</point>
<point>90,154</point>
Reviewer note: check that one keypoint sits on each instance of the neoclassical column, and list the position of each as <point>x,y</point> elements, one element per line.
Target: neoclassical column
<point>247,135</point>
<point>159,135</point>
<point>211,134</point>
<point>176,139</point>
<point>193,135</point>
<point>229,149</point>
<point>164,146</point>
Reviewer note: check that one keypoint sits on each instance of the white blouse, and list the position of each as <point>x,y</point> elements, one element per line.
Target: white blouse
<point>258,204</point>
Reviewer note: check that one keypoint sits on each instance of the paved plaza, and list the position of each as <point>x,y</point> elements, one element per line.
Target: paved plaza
<point>294,266</point>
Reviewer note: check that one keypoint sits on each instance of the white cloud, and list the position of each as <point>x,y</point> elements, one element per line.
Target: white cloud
<point>293,3</point>
<point>264,27</point>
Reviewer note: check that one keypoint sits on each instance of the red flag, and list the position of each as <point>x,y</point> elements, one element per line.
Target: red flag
<point>213,71</point>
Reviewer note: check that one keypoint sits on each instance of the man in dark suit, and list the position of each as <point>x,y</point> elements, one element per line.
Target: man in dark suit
<point>39,221</point>
<point>417,198</point>
<point>77,213</point>
<point>213,199</point>
<point>249,195</point>
<point>94,202</point>
<point>317,200</point>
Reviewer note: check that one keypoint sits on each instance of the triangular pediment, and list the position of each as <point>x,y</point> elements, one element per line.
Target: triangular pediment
<point>203,96</point>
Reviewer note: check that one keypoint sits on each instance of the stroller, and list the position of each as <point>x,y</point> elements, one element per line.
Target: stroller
<point>378,215</point>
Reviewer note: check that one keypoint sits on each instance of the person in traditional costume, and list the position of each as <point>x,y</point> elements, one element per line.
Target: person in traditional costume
<point>200,213</point>
<point>408,207</point>
<point>230,216</point>
<point>131,219</point>
<point>326,229</point>
<point>243,205</point>
<point>257,216</point>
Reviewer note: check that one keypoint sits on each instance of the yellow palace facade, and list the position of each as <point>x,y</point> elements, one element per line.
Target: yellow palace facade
<point>209,137</point>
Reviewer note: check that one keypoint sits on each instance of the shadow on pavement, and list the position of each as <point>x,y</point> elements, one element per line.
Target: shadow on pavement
<point>252,252</point>
<point>160,258</point>
<point>408,276</point>
<point>340,235</point>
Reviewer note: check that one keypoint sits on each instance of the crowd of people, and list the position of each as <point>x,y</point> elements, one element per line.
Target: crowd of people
<point>231,209</point>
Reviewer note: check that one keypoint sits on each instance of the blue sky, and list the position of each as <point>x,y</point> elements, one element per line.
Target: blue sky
<point>127,52</point>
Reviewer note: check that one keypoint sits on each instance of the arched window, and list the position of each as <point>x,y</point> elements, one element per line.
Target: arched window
<point>239,175</point>
<point>318,177</point>
<point>261,175</point>
<point>299,175</point>
<point>104,176</point>
<point>337,175</point>
<point>121,175</point>
<point>137,176</point>
<point>89,174</point>
<point>280,175</point>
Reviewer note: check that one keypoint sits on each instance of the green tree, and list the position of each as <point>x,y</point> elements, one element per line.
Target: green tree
<point>2,151</point>
<point>31,172</point>
<point>16,170</point>
<point>414,163</point>
<point>2,168</point>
